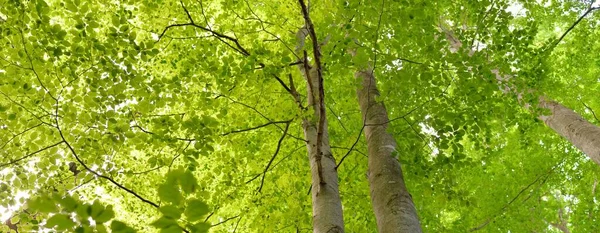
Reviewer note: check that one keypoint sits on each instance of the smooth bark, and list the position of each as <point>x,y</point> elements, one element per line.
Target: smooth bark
<point>571,126</point>
<point>326,202</point>
<point>392,204</point>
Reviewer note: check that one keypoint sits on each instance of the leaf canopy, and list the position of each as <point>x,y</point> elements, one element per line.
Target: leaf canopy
<point>170,112</point>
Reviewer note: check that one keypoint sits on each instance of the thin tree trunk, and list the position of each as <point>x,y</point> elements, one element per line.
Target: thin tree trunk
<point>392,203</point>
<point>326,203</point>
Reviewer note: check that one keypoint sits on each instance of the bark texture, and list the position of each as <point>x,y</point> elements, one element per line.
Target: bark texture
<point>570,125</point>
<point>326,203</point>
<point>392,204</point>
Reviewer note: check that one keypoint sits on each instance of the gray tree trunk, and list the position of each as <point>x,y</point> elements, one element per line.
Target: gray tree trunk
<point>392,203</point>
<point>571,126</point>
<point>326,202</point>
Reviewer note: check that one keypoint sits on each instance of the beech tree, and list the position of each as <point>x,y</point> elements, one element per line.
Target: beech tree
<point>298,116</point>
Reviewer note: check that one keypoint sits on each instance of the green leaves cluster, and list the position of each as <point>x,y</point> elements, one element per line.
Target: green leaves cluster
<point>178,186</point>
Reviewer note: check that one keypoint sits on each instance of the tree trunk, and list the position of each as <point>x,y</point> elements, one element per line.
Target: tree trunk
<point>326,203</point>
<point>570,125</point>
<point>564,121</point>
<point>392,204</point>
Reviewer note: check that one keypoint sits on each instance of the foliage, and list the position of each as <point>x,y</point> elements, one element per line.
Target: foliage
<point>129,116</point>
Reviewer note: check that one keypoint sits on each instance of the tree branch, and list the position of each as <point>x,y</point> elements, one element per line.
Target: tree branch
<point>29,155</point>
<point>262,181</point>
<point>257,127</point>
<point>80,161</point>
<point>222,37</point>
<point>589,10</point>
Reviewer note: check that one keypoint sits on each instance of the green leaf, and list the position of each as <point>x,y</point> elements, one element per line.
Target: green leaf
<point>105,215</point>
<point>195,210</point>
<point>120,227</point>
<point>171,229</point>
<point>60,221</point>
<point>164,222</point>
<point>170,193</point>
<point>188,182</point>
<point>96,209</point>
<point>170,211</point>
<point>42,204</point>
<point>68,203</point>
<point>200,227</point>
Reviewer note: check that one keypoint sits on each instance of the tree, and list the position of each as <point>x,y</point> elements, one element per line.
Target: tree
<point>567,123</point>
<point>194,115</point>
<point>392,203</point>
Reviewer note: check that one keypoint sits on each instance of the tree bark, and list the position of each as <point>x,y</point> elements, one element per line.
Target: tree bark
<point>571,126</point>
<point>326,203</point>
<point>392,204</point>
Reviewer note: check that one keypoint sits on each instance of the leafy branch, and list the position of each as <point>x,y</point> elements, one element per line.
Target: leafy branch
<point>264,173</point>
<point>507,205</point>
<point>29,155</point>
<point>87,168</point>
<point>220,36</point>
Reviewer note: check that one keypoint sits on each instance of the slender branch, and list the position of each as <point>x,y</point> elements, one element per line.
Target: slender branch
<point>256,127</point>
<point>29,155</point>
<point>144,172</point>
<point>351,148</point>
<point>92,171</point>
<point>589,10</point>
<point>222,37</point>
<point>80,185</point>
<point>262,181</point>
<point>291,89</point>
<point>236,224</point>
<point>591,110</point>
<point>503,209</point>
<point>152,133</point>
<point>32,67</point>
<point>224,221</point>
<point>18,134</point>
<point>179,154</point>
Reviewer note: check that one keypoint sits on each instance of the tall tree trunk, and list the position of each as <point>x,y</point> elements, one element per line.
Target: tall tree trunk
<point>570,125</point>
<point>563,120</point>
<point>392,203</point>
<point>326,203</point>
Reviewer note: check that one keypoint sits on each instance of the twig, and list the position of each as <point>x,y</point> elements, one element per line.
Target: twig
<point>30,154</point>
<point>262,181</point>
<point>222,37</point>
<point>256,127</point>
<point>18,134</point>
<point>224,221</point>
<point>351,148</point>
<point>92,171</point>
<point>589,10</point>
<point>591,110</point>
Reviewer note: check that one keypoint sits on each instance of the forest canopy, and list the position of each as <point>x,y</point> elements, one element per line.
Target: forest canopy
<point>299,116</point>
